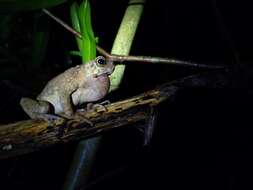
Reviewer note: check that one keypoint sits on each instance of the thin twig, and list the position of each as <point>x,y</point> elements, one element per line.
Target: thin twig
<point>61,22</point>
<point>140,59</point>
<point>158,60</point>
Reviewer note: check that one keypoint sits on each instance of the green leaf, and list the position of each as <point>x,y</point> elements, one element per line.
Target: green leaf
<point>85,39</point>
<point>77,53</point>
<point>81,20</point>
<point>82,13</point>
<point>90,45</point>
<point>90,32</point>
<point>88,21</point>
<point>40,41</point>
<point>76,23</point>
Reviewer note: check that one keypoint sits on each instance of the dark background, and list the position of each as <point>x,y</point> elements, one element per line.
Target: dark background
<point>203,138</point>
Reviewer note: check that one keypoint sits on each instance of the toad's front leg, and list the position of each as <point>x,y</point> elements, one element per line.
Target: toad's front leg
<point>68,112</point>
<point>67,106</point>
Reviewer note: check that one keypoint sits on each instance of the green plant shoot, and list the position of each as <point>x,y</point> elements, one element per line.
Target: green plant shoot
<point>81,21</point>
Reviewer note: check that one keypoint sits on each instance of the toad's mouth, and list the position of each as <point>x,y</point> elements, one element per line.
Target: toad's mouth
<point>102,75</point>
<point>105,74</point>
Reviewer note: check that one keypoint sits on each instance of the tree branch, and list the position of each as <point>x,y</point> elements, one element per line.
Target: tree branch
<point>31,135</point>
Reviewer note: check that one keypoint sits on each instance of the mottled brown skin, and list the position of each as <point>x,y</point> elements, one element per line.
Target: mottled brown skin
<point>77,85</point>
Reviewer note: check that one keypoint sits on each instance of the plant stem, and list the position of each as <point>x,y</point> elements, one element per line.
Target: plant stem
<point>124,38</point>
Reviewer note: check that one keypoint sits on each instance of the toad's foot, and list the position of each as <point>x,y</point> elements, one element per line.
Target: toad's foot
<point>79,116</point>
<point>98,107</point>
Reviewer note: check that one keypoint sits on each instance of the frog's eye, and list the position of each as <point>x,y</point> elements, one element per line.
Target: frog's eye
<point>100,61</point>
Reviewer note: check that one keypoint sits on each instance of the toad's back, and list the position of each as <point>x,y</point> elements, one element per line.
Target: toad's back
<point>66,82</point>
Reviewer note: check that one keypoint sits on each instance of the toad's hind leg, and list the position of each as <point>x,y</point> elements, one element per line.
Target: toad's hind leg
<point>35,108</point>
